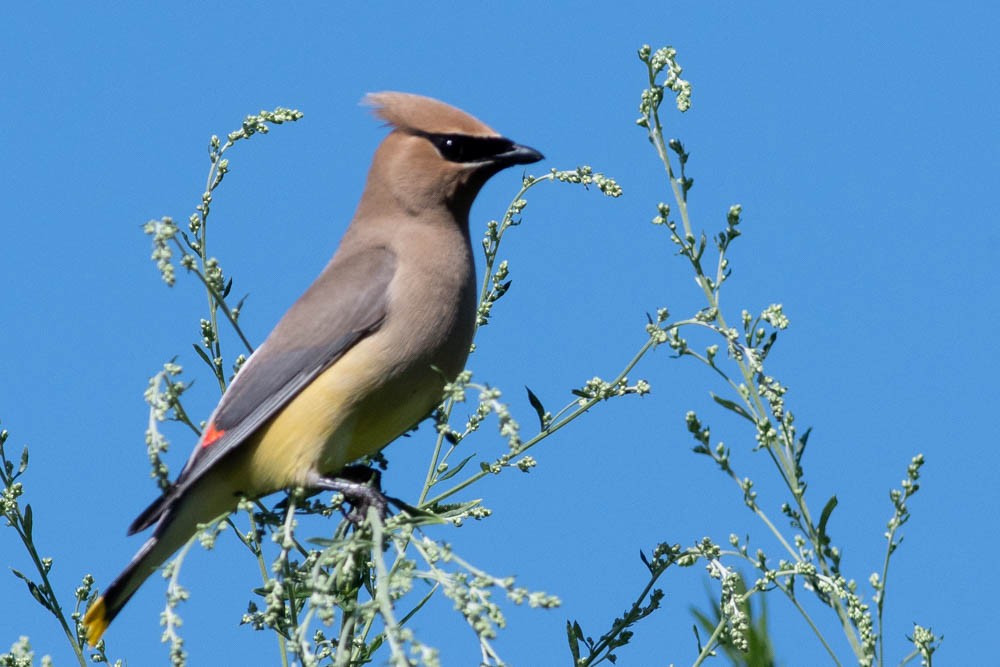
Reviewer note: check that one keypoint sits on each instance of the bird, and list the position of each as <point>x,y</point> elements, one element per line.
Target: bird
<point>363,355</point>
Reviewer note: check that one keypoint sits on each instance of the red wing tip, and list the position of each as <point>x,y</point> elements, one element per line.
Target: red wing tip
<point>211,435</point>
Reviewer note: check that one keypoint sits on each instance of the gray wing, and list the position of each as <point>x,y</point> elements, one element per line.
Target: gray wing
<point>347,302</point>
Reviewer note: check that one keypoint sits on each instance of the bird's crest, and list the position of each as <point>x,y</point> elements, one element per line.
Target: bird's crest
<point>405,111</point>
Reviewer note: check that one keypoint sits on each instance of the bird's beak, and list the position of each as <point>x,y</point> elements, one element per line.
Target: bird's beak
<point>519,154</point>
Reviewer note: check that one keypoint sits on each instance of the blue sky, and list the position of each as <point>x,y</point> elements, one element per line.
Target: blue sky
<point>860,139</point>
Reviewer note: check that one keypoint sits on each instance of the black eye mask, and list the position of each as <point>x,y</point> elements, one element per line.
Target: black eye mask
<point>466,148</point>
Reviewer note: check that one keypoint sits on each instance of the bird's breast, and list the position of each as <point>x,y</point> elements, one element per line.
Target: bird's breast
<point>390,379</point>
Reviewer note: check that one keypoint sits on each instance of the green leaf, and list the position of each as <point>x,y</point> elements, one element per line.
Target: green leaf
<point>537,405</point>
<point>28,521</point>
<point>824,517</point>
<point>24,461</point>
<point>418,607</point>
<point>697,635</point>
<point>803,439</point>
<point>375,644</point>
<point>33,588</point>
<point>36,593</point>
<point>766,347</point>
<point>451,472</point>
<point>422,518</point>
<point>572,636</point>
<point>239,306</point>
<point>446,511</point>
<point>204,356</point>
<point>732,407</point>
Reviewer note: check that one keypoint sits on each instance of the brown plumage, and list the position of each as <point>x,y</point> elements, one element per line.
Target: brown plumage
<point>364,353</point>
<point>405,111</point>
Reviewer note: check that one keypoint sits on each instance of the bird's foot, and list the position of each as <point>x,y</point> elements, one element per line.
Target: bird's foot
<point>361,487</point>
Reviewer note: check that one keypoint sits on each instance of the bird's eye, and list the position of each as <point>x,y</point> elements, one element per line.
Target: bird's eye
<point>451,150</point>
<point>465,148</point>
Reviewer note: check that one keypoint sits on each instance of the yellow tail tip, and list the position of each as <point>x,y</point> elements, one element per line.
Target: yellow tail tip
<point>95,622</point>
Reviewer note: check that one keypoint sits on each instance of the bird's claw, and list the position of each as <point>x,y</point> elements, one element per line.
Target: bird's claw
<point>361,487</point>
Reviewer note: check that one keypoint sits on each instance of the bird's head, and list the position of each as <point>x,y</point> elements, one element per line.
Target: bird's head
<point>436,155</point>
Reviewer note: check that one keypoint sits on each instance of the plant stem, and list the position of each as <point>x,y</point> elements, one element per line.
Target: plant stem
<point>785,465</point>
<point>552,428</point>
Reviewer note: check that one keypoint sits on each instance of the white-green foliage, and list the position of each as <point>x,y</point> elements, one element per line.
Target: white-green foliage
<point>809,560</point>
<point>345,594</point>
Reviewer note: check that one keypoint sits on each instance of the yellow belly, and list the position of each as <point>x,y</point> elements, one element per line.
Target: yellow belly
<point>352,409</point>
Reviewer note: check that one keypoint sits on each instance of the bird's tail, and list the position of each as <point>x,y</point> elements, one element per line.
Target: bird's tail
<point>105,608</point>
<point>178,522</point>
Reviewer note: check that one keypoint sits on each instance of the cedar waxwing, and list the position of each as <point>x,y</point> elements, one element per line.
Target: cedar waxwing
<point>363,355</point>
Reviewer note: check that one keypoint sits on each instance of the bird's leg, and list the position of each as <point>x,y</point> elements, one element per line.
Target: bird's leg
<point>361,486</point>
